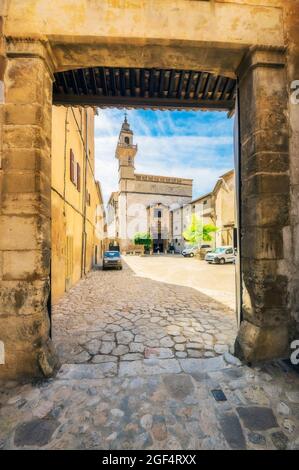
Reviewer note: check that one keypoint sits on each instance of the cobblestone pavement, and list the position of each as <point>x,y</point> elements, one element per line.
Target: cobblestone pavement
<point>130,381</point>
<point>154,404</point>
<point>115,316</point>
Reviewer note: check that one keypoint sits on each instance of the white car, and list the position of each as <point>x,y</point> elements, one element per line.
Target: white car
<point>190,251</point>
<point>221,255</point>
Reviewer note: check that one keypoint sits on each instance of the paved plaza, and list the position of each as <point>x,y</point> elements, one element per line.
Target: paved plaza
<point>123,316</point>
<point>145,365</point>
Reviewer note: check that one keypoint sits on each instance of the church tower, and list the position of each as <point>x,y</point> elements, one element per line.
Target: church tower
<point>125,152</point>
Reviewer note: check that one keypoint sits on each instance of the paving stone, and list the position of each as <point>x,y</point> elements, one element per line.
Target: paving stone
<point>146,421</point>
<point>221,348</point>
<point>159,429</point>
<point>36,432</point>
<point>160,353</point>
<point>181,354</point>
<point>279,440</point>
<point>256,438</point>
<point>179,339</point>
<point>120,350</point>
<point>87,371</point>
<point>179,386</point>
<point>149,367</point>
<point>202,365</point>
<point>136,347</point>
<point>124,337</point>
<point>230,359</point>
<point>289,425</point>
<point>232,431</point>
<point>194,353</point>
<point>283,409</point>
<point>257,418</point>
<point>131,357</point>
<point>166,342</point>
<point>101,358</point>
<point>293,396</point>
<point>81,357</point>
<point>93,346</point>
<point>107,347</point>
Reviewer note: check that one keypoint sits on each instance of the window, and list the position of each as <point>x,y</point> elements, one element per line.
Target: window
<point>157,213</point>
<point>78,177</point>
<point>88,198</point>
<point>205,202</point>
<point>127,140</point>
<point>229,251</point>
<point>72,167</point>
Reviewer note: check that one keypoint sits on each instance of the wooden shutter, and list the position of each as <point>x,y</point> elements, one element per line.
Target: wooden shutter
<point>78,177</point>
<point>72,166</point>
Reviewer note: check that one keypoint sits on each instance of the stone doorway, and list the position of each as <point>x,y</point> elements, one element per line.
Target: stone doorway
<point>268,300</point>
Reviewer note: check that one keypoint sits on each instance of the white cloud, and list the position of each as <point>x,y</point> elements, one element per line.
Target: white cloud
<point>201,157</point>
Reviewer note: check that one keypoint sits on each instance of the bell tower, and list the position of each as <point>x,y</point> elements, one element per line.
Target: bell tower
<point>125,152</point>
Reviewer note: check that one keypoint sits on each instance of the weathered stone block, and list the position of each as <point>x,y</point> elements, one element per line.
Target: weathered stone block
<point>257,344</point>
<point>265,209</point>
<point>262,243</point>
<point>23,114</point>
<point>25,265</point>
<point>21,159</point>
<point>24,80</point>
<point>19,182</point>
<point>267,183</point>
<point>18,232</point>
<point>22,137</point>
<point>265,162</point>
<point>23,298</point>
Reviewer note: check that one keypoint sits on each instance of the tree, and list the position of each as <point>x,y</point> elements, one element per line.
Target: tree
<point>196,232</point>
<point>143,238</point>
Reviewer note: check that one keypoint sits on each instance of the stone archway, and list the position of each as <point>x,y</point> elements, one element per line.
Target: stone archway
<point>27,72</point>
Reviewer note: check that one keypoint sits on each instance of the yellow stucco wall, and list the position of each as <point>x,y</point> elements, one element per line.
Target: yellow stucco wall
<point>72,129</point>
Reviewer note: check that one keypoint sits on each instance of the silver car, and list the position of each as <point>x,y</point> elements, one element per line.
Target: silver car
<point>221,255</point>
<point>190,251</point>
<point>112,259</point>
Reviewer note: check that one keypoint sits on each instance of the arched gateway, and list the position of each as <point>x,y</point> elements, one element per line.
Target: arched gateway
<point>144,53</point>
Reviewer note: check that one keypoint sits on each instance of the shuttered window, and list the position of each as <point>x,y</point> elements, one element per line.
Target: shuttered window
<point>78,177</point>
<point>72,167</point>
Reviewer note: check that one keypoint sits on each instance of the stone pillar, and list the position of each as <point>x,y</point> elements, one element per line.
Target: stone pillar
<point>265,194</point>
<point>25,211</point>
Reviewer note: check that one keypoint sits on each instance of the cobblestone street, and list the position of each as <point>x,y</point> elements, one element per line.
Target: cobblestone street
<point>119,316</point>
<point>145,366</point>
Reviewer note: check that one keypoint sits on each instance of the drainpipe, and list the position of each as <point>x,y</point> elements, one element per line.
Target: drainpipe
<point>84,236</point>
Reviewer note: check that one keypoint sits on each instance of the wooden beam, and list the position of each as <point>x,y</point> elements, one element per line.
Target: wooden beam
<point>181,83</point>
<point>113,89</point>
<point>207,86</point>
<point>93,80</point>
<point>102,72</point>
<point>129,101</point>
<point>132,73</point>
<point>171,83</point>
<point>83,82</point>
<point>200,80</point>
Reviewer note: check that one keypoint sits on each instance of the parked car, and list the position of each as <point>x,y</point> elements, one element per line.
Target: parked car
<point>221,255</point>
<point>112,259</point>
<point>203,250</point>
<point>190,251</point>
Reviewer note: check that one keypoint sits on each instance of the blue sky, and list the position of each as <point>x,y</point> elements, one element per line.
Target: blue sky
<point>189,144</point>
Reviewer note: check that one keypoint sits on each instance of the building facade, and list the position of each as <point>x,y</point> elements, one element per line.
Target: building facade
<point>143,202</point>
<point>215,208</point>
<point>78,218</point>
<point>224,208</point>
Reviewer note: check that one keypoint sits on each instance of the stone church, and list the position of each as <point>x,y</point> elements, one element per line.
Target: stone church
<point>143,202</point>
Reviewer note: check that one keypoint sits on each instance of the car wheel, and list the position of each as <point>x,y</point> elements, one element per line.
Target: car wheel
<point>191,255</point>
<point>222,261</point>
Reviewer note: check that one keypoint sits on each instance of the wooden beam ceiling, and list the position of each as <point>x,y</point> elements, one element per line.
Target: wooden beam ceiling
<point>146,88</point>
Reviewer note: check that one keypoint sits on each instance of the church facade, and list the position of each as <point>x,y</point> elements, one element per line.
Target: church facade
<point>143,203</point>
